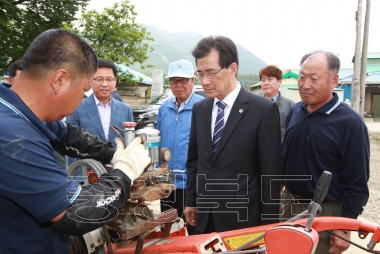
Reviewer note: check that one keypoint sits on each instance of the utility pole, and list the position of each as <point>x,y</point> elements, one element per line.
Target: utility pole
<point>363,72</point>
<point>356,84</point>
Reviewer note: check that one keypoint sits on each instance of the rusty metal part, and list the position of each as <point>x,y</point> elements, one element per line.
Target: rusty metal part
<point>108,240</point>
<point>132,225</point>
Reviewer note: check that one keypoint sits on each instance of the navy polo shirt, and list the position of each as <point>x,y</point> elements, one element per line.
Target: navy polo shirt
<point>334,138</point>
<point>33,187</point>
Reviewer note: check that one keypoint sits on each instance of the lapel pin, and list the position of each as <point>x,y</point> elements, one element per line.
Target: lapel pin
<point>240,111</point>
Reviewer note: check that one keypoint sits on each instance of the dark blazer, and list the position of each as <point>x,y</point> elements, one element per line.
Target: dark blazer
<point>235,184</point>
<point>87,117</point>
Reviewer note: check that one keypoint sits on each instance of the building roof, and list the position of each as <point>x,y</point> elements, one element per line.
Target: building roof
<point>288,74</point>
<point>372,55</point>
<point>372,78</point>
<point>139,77</point>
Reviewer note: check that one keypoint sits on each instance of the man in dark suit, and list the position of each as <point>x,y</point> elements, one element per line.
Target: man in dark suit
<point>233,178</point>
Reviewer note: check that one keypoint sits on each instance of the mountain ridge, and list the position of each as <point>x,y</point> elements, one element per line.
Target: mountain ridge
<point>169,47</point>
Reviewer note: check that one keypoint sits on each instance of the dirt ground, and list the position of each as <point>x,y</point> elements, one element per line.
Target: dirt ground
<point>371,211</point>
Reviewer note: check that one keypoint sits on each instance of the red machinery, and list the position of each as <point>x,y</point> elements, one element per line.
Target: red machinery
<point>137,225</point>
<point>284,238</point>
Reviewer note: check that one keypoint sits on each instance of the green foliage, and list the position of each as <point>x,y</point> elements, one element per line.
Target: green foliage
<point>114,35</point>
<point>23,20</point>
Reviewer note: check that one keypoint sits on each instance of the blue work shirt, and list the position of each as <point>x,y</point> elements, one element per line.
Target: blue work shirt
<point>34,189</point>
<point>334,138</point>
<point>175,132</point>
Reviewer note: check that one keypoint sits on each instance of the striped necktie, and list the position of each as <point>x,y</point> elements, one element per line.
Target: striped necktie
<point>219,125</point>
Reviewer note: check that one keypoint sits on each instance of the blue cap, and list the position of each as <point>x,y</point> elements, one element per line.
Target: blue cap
<point>181,68</point>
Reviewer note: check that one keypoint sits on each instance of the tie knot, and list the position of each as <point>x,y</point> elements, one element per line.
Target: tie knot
<point>221,104</point>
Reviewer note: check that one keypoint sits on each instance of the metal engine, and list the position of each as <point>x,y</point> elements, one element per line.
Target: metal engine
<point>136,220</point>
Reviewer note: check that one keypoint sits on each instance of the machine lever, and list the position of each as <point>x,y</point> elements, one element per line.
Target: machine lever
<point>319,195</point>
<point>322,187</point>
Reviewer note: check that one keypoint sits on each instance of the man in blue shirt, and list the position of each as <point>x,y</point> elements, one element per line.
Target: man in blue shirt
<point>174,121</point>
<point>38,203</point>
<point>324,134</point>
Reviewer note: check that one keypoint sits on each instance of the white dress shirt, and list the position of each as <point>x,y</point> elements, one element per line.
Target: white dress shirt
<point>105,115</point>
<point>229,101</point>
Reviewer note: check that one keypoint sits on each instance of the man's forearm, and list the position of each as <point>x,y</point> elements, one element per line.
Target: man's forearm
<point>96,204</point>
<point>78,143</point>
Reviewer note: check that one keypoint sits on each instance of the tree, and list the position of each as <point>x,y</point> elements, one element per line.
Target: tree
<point>114,35</point>
<point>23,20</point>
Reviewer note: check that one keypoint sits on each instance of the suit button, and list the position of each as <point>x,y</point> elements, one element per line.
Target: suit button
<point>213,170</point>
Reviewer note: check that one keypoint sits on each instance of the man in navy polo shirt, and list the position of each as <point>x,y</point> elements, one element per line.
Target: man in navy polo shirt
<point>324,134</point>
<point>39,206</point>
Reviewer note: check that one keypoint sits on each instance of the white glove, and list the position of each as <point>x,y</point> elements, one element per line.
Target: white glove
<point>131,160</point>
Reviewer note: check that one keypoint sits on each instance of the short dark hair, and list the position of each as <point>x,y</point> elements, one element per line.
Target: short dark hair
<point>14,67</point>
<point>108,64</point>
<point>333,62</point>
<point>226,48</point>
<point>56,48</point>
<point>271,71</point>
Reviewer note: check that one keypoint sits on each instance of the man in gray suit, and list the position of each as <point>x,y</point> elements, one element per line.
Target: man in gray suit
<point>100,110</point>
<point>271,79</point>
<point>234,158</point>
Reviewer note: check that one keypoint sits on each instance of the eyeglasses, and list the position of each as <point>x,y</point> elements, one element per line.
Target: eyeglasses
<point>208,74</point>
<point>181,80</point>
<point>109,80</point>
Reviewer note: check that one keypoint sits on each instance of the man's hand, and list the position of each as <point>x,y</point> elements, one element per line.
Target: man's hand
<point>131,160</point>
<point>337,245</point>
<point>190,215</point>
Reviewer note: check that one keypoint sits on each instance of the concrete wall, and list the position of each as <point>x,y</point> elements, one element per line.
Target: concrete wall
<point>135,100</point>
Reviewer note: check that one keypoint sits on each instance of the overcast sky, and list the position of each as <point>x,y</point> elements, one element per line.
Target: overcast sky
<point>277,31</point>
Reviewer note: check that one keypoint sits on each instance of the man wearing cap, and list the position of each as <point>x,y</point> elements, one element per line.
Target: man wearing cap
<point>174,121</point>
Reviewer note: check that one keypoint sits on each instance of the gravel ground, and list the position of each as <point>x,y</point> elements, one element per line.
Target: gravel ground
<point>371,211</point>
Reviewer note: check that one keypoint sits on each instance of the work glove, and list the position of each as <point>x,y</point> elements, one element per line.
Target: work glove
<point>131,160</point>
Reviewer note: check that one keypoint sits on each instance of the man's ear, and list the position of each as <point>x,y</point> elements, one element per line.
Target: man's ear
<point>59,79</point>
<point>234,69</point>
<point>335,81</point>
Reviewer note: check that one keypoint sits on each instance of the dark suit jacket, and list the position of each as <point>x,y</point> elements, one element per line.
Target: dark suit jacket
<point>87,117</point>
<point>235,184</point>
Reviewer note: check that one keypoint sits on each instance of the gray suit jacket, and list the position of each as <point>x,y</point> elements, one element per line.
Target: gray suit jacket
<point>240,184</point>
<point>87,117</point>
<point>284,106</point>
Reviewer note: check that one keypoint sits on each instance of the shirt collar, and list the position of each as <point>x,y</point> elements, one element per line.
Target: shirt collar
<point>11,100</point>
<point>328,107</point>
<point>275,98</point>
<point>97,101</point>
<point>184,103</point>
<point>231,97</point>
